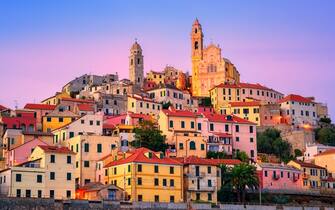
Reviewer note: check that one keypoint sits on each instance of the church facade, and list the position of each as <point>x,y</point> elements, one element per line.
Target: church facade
<point>209,67</point>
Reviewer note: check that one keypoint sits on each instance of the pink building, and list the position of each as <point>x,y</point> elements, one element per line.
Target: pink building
<point>238,134</point>
<point>135,118</point>
<point>21,153</point>
<point>279,176</point>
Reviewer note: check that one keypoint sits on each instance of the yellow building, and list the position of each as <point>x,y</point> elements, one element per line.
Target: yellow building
<point>47,174</point>
<point>209,68</point>
<point>313,175</point>
<point>89,149</point>
<point>142,105</point>
<point>147,176</point>
<point>54,100</point>
<point>156,77</point>
<point>248,110</point>
<point>57,119</point>
<point>182,133</point>
<point>326,160</point>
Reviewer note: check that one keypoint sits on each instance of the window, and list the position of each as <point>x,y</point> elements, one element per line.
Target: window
<point>98,123</point>
<point>139,198</point>
<point>139,181</point>
<point>91,122</point>
<point>156,198</point>
<point>39,178</point>
<point>202,147</point>
<point>226,127</point>
<point>68,193</point>
<point>171,199</point>
<point>211,127</point>
<point>251,129</point>
<point>237,139</point>
<point>18,193</point>
<point>171,182</point>
<point>181,146</point>
<point>171,124</point>
<point>82,121</point>
<point>192,145</point>
<point>39,193</point>
<point>156,181</point>
<point>128,168</point>
<point>129,181</point>
<point>71,134</point>
<point>48,119</point>
<point>209,183</point>
<point>86,164</point>
<point>18,177</point>
<point>164,183</point>
<point>199,126</point>
<point>266,173</point>
<point>139,168</point>
<point>60,119</point>
<point>237,128</point>
<point>192,124</point>
<point>52,176</point>
<point>252,153</point>
<point>99,148</point>
<point>68,176</point>
<point>52,158</point>
<point>197,195</point>
<point>68,159</point>
<point>182,124</point>
<point>209,169</point>
<point>251,139</point>
<point>171,170</point>
<point>52,193</point>
<point>86,147</point>
<point>209,196</point>
<point>156,169</point>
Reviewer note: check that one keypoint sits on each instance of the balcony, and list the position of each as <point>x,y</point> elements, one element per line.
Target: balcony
<point>201,188</point>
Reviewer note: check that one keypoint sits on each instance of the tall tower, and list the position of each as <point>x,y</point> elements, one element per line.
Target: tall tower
<point>197,53</point>
<point>136,66</point>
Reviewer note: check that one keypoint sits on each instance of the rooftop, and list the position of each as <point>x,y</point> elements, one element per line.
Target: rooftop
<point>40,106</point>
<point>296,98</point>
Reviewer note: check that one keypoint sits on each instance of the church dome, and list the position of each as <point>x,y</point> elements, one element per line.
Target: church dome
<point>136,47</point>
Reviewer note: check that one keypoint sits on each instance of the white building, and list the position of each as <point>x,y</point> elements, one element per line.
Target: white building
<point>314,149</point>
<point>298,111</point>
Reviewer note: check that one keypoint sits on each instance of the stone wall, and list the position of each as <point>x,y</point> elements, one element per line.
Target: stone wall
<point>49,204</point>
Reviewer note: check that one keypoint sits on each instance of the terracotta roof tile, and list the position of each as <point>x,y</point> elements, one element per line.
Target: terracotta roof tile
<point>225,119</point>
<point>138,156</point>
<point>307,165</point>
<point>245,103</point>
<point>40,106</point>
<point>296,98</point>
<point>86,107</point>
<point>180,113</point>
<point>78,100</point>
<point>56,149</point>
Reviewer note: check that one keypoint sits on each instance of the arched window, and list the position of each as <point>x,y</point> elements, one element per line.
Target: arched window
<point>196,45</point>
<point>23,127</point>
<point>196,30</point>
<point>31,127</point>
<point>192,145</point>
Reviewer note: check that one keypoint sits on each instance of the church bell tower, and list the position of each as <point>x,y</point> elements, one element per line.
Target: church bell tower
<point>197,54</point>
<point>136,66</point>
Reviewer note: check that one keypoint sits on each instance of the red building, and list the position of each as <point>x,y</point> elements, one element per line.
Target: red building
<point>26,120</point>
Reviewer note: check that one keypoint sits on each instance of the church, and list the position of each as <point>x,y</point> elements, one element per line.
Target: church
<point>209,67</point>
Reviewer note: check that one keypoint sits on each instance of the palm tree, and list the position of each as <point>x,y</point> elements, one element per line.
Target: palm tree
<point>243,176</point>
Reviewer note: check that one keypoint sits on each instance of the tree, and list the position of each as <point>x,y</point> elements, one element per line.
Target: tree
<point>242,156</point>
<point>270,142</point>
<point>166,105</point>
<point>297,153</point>
<point>216,155</point>
<point>326,120</point>
<point>244,176</point>
<point>325,135</point>
<point>149,136</point>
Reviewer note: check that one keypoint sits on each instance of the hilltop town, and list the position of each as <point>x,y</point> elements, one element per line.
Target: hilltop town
<point>168,137</point>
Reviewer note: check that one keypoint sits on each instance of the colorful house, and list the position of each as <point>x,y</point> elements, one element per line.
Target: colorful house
<point>142,105</point>
<point>312,175</point>
<point>89,123</point>
<point>182,133</point>
<point>326,160</point>
<point>147,176</point>
<point>55,100</point>
<point>89,148</point>
<point>236,134</point>
<point>96,191</point>
<point>47,174</point>
<point>22,119</point>
<point>40,111</point>
<point>274,176</point>
<point>57,119</point>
